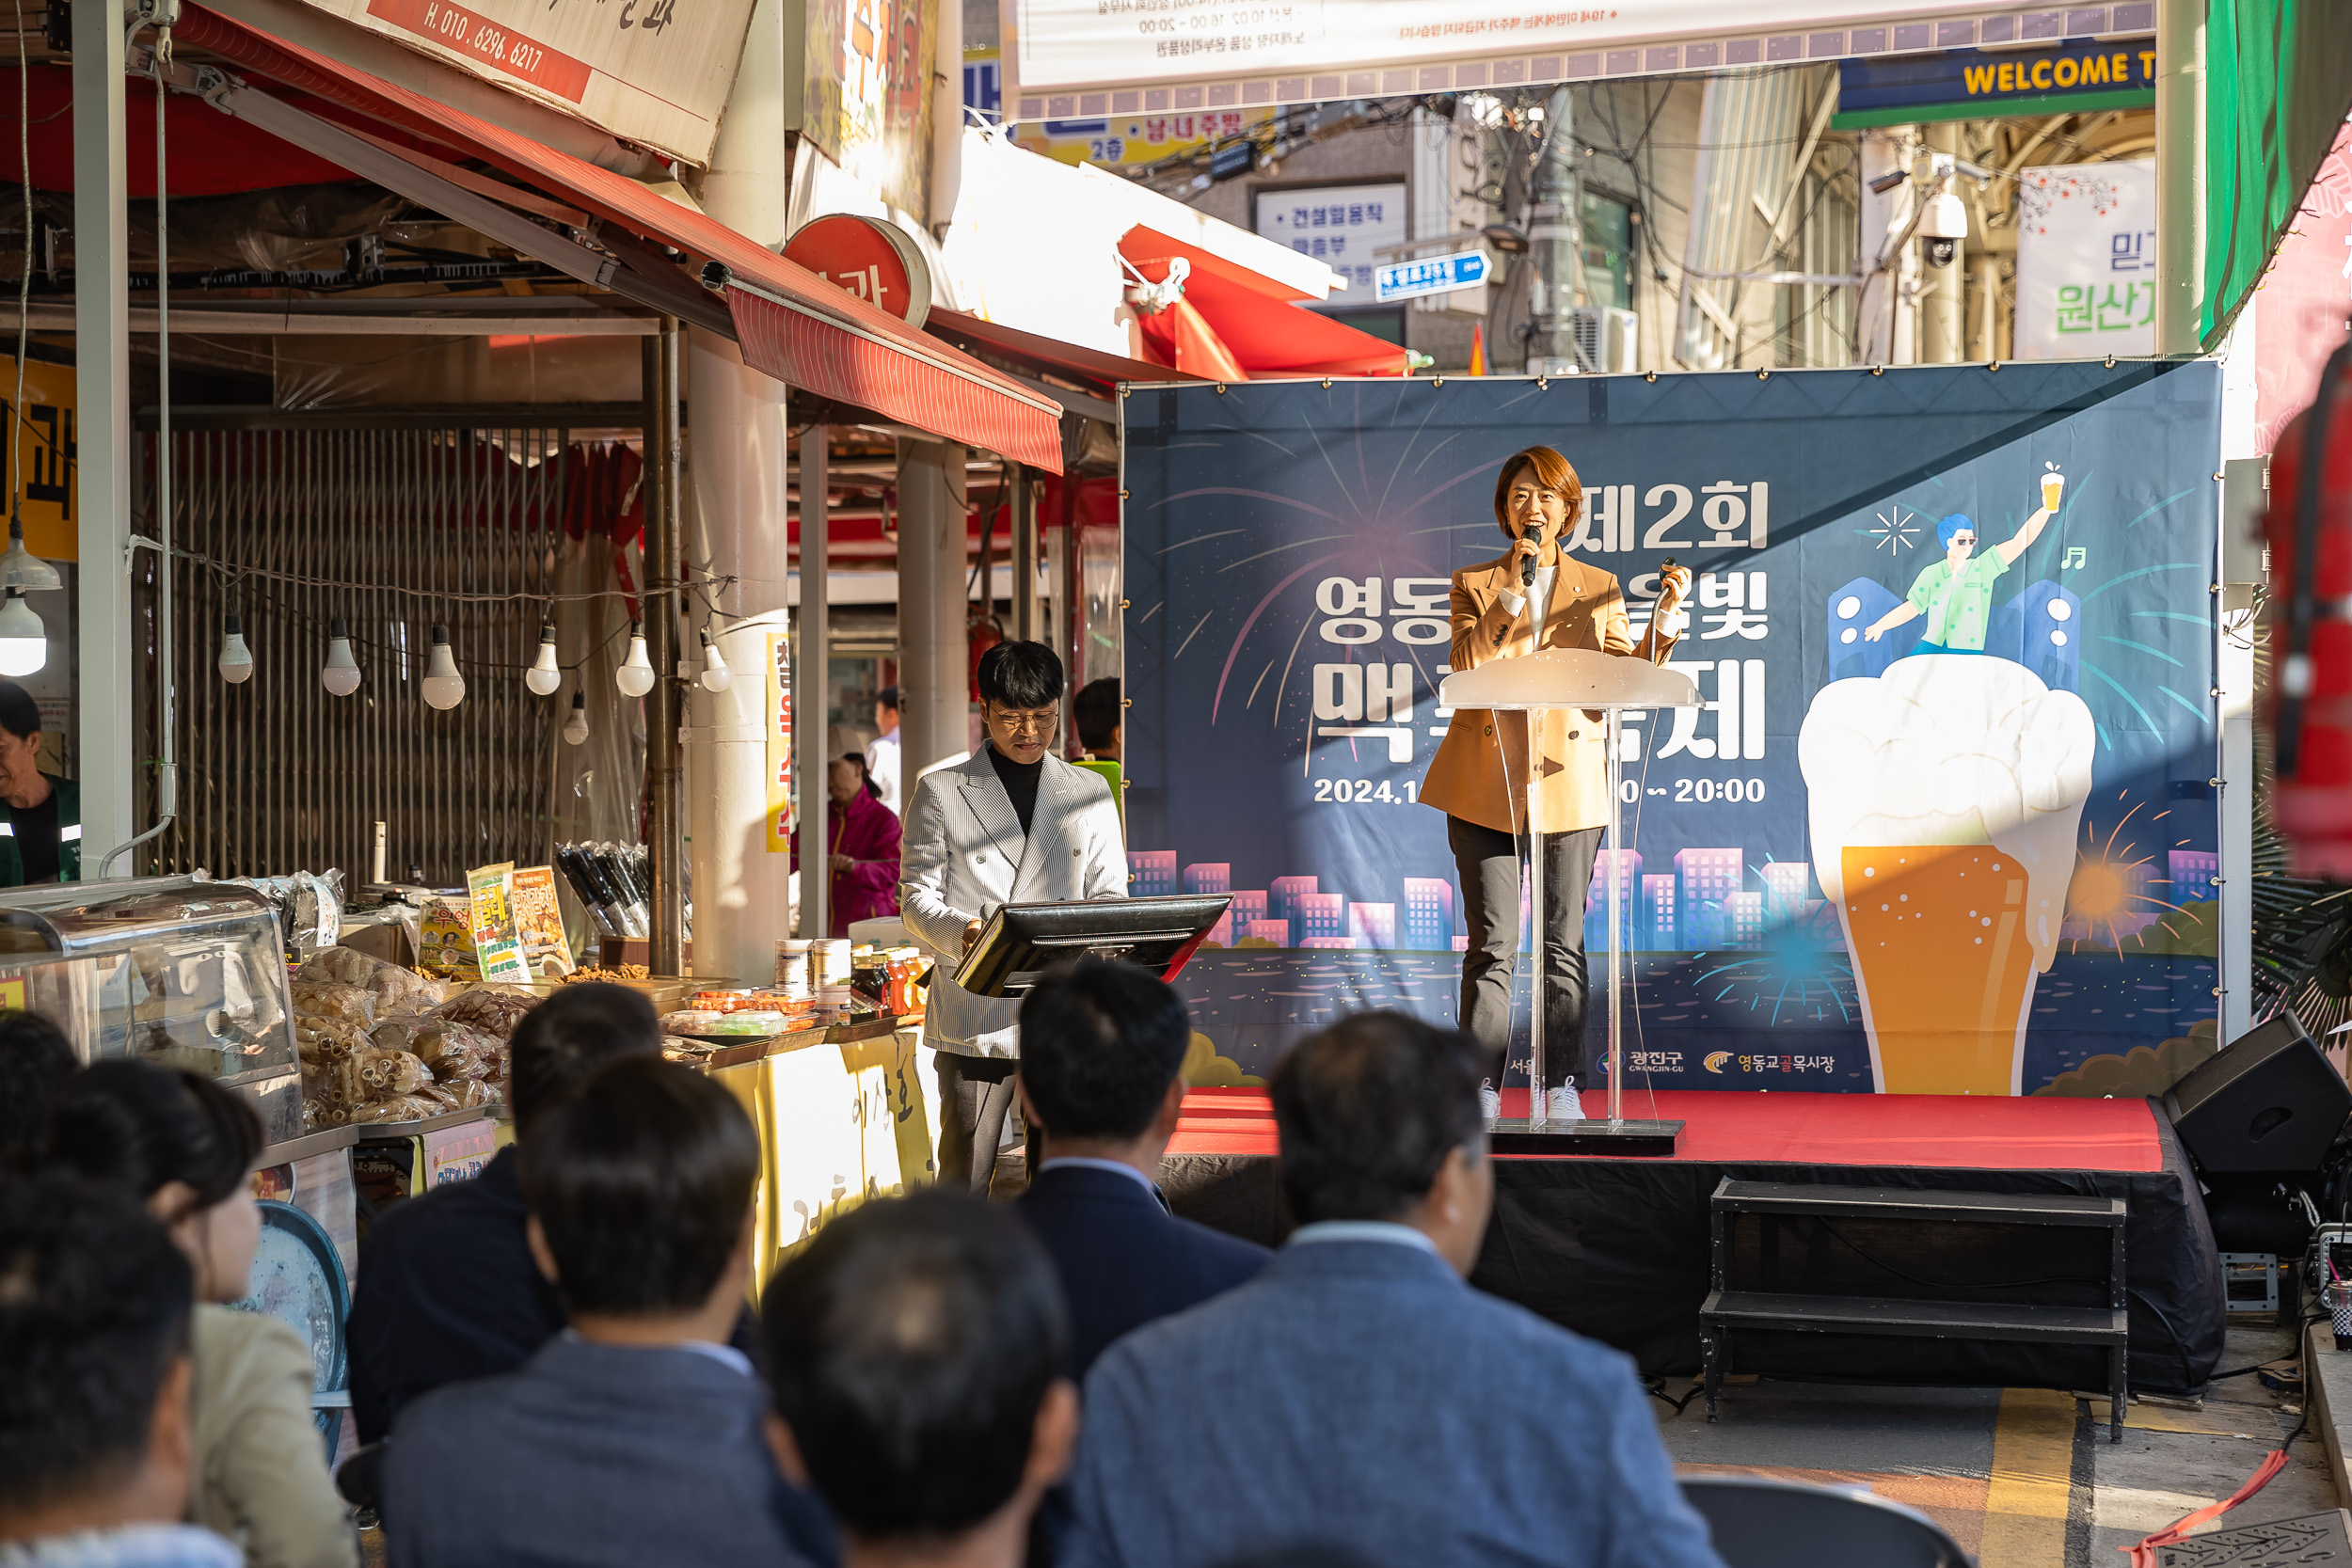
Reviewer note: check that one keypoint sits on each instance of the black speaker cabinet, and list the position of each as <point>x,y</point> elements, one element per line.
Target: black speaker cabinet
<point>2269,1102</point>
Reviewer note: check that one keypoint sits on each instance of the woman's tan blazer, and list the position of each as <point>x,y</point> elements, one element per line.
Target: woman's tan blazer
<point>1468,778</point>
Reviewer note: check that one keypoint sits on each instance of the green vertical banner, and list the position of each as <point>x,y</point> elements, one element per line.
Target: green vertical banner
<point>2278,86</point>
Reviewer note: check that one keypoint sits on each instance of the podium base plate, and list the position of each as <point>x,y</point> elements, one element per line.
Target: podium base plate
<point>1627,1139</point>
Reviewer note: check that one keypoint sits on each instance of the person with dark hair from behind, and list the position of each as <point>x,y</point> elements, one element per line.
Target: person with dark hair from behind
<point>40,814</point>
<point>185,1147</point>
<point>636,1436</point>
<point>1358,1392</point>
<point>1012,824</point>
<point>1101,721</point>
<point>1103,1049</point>
<point>36,1059</point>
<point>448,1289</point>
<point>915,1347</point>
<point>94,1372</point>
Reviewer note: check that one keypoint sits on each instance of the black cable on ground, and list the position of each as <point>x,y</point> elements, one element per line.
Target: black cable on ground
<point>1656,1388</point>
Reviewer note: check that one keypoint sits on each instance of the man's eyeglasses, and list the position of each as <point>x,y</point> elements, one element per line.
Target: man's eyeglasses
<point>1038,722</point>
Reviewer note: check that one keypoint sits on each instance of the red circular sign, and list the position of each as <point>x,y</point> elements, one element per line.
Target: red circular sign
<point>871,259</point>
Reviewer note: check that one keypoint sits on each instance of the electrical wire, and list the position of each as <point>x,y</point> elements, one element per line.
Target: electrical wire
<point>234,571</point>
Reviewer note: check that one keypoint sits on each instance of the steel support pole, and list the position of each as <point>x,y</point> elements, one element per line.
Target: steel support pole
<point>738,459</point>
<point>1028,617</point>
<point>2179,175</point>
<point>107,764</point>
<point>665,703</point>
<point>815,683</point>
<point>932,608</point>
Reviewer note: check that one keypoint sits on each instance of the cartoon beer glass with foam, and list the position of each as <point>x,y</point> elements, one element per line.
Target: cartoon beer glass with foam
<point>1945,800</point>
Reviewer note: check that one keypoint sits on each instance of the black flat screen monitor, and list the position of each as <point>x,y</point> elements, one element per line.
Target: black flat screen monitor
<point>1021,942</point>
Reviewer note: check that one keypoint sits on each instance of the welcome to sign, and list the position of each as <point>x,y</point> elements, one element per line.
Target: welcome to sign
<point>1979,84</point>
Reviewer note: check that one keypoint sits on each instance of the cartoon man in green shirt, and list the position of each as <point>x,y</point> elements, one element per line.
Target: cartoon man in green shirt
<point>1956,592</point>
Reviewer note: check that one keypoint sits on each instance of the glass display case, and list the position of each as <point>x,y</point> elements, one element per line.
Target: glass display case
<point>180,971</point>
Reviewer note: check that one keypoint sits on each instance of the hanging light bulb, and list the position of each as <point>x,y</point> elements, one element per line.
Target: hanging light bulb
<point>635,675</point>
<point>545,675</point>
<point>23,570</point>
<point>576,727</point>
<point>236,660</point>
<point>716,676</point>
<point>24,641</point>
<point>443,687</point>
<point>340,674</point>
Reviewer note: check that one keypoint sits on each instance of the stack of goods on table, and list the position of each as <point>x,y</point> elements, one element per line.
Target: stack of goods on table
<point>614,881</point>
<point>381,1043</point>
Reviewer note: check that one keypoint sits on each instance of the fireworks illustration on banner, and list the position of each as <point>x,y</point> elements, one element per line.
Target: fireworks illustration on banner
<point>1897,530</point>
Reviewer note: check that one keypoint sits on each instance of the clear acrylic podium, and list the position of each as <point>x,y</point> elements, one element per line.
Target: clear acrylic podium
<point>1554,688</point>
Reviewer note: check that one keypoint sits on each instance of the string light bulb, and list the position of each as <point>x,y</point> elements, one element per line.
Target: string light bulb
<point>442,686</point>
<point>236,660</point>
<point>340,673</point>
<point>20,568</point>
<point>716,676</point>
<point>545,676</point>
<point>576,727</point>
<point>635,675</point>
<point>24,640</point>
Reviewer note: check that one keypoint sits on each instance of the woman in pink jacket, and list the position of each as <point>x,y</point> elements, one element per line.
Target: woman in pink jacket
<point>861,846</point>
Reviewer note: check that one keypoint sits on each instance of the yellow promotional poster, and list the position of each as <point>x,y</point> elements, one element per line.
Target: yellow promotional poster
<point>12,994</point>
<point>864,100</point>
<point>45,478</point>
<point>540,919</point>
<point>778,726</point>
<point>497,938</point>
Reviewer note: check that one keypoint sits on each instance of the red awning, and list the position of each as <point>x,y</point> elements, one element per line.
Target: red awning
<point>1074,361</point>
<point>1182,339</point>
<point>1250,314</point>
<point>793,325</point>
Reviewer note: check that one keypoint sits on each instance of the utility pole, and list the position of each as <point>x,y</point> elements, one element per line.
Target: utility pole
<point>108,763</point>
<point>666,774</point>
<point>2179,175</point>
<point>1551,240</point>
<point>1889,305</point>
<point>1940,296</point>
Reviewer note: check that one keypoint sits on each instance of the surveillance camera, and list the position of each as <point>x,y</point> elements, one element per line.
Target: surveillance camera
<point>1941,252</point>
<point>1944,217</point>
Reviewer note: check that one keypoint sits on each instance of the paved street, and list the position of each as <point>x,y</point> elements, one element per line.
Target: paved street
<point>2021,1477</point>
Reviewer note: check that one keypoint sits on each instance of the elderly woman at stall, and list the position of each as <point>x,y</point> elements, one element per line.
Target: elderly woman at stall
<point>861,846</point>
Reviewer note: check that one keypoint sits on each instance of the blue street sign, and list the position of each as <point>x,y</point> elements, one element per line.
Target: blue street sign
<point>1432,274</point>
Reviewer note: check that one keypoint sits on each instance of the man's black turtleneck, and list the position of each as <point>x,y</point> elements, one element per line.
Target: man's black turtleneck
<point>1020,781</point>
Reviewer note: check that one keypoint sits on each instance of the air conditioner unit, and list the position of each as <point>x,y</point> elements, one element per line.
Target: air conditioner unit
<point>1605,337</point>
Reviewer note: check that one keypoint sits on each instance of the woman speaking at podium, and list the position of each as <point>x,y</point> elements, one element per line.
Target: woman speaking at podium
<point>1535,597</point>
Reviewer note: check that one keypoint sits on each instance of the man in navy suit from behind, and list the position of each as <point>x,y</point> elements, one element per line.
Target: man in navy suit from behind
<point>1358,1393</point>
<point>1103,1046</point>
<point>636,1437</point>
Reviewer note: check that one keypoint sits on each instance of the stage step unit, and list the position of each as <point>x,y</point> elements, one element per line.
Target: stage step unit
<point>1770,1201</point>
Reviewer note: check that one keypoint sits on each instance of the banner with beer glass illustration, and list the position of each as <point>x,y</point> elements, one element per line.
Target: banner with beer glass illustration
<point>1944,822</point>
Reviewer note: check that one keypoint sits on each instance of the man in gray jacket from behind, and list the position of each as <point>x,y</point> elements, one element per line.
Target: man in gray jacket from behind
<point>1358,1393</point>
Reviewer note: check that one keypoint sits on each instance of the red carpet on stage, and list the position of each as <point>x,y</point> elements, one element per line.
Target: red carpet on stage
<point>1946,1132</point>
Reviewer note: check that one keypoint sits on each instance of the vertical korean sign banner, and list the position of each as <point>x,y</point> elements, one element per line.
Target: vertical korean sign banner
<point>2032,796</point>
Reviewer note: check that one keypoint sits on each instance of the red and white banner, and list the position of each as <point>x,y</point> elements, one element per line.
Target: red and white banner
<point>643,69</point>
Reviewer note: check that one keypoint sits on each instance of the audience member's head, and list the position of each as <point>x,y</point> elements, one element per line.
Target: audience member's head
<point>639,1185</point>
<point>886,709</point>
<point>94,1303</point>
<point>914,1346</point>
<point>180,1144</point>
<point>1102,1045</point>
<point>1380,1120</point>
<point>1099,716</point>
<point>566,1040</point>
<point>36,1059</point>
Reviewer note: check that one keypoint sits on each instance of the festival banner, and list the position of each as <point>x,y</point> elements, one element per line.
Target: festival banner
<point>1945,821</point>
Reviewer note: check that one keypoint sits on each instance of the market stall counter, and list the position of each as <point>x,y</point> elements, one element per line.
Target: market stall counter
<point>180,971</point>
<point>843,1113</point>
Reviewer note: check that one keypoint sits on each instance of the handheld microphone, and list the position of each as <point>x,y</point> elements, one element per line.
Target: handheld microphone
<point>1527,567</point>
